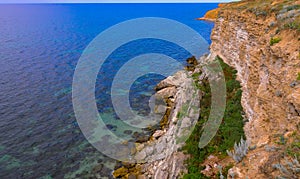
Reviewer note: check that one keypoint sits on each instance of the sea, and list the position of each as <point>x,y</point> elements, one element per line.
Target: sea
<point>40,45</point>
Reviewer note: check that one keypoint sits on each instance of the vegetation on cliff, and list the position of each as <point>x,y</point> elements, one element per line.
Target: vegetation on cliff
<point>230,131</point>
<point>212,14</point>
<point>260,38</point>
<point>274,40</point>
<point>286,11</point>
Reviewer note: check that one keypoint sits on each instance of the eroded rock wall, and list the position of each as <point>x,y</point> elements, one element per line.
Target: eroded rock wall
<point>160,157</point>
<point>268,75</point>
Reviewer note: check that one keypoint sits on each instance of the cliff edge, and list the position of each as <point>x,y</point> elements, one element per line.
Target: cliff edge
<point>260,39</point>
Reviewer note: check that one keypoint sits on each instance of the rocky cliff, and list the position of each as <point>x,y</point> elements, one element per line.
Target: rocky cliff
<point>160,157</point>
<point>212,14</point>
<point>260,39</point>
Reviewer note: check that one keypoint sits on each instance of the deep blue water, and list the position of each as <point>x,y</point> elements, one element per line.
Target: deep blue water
<point>39,49</point>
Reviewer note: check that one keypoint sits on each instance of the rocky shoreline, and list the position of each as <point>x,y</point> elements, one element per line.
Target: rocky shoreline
<point>212,15</point>
<point>161,156</point>
<point>269,74</point>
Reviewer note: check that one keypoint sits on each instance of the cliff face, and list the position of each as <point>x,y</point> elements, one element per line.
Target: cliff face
<point>260,39</point>
<point>212,14</point>
<point>160,158</point>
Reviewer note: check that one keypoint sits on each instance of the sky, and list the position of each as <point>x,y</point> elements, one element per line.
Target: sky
<point>112,1</point>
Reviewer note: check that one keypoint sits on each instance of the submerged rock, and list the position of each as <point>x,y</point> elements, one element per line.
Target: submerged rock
<point>111,127</point>
<point>159,156</point>
<point>192,63</point>
<point>128,132</point>
<point>120,172</point>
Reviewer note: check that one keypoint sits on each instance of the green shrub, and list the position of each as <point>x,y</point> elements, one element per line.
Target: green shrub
<point>282,140</point>
<point>274,40</point>
<point>292,25</point>
<point>298,77</point>
<point>230,131</point>
<point>294,148</point>
<point>196,76</point>
<point>293,7</point>
<point>183,111</point>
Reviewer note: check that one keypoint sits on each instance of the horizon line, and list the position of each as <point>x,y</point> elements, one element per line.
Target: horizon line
<point>113,1</point>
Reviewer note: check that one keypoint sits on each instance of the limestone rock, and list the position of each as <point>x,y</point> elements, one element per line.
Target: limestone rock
<point>120,172</point>
<point>267,73</point>
<point>158,133</point>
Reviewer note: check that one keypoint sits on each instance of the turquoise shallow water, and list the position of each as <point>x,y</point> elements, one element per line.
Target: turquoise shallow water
<point>39,49</point>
